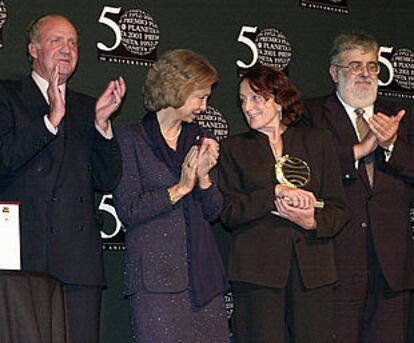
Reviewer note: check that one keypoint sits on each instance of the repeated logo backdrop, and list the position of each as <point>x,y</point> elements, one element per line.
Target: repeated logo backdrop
<point>124,37</point>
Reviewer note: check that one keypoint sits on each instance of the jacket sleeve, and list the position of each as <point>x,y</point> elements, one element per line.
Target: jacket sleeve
<point>106,163</point>
<point>211,199</point>
<point>402,160</point>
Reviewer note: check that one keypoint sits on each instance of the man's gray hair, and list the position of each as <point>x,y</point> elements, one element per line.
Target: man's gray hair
<point>349,41</point>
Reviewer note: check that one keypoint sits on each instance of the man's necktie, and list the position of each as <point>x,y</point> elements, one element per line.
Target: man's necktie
<point>363,129</point>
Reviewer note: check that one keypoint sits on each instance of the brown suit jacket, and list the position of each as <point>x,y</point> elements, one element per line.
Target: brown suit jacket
<point>262,243</point>
<point>385,207</point>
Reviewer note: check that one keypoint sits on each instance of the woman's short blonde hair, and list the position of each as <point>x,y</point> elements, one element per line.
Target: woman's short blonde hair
<point>174,76</point>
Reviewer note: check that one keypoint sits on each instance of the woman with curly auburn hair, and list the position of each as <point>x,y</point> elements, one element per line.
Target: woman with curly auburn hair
<point>281,261</point>
<point>174,278</point>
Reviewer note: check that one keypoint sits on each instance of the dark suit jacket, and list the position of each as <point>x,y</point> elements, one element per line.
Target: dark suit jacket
<point>384,208</point>
<point>157,254</point>
<point>261,250</point>
<point>54,178</point>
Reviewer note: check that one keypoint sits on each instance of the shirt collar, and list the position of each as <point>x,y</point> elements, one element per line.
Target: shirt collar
<point>350,110</point>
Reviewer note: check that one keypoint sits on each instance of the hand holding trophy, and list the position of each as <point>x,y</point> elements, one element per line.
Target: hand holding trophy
<point>295,173</point>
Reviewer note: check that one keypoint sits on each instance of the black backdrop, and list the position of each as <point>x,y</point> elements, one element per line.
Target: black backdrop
<point>218,29</point>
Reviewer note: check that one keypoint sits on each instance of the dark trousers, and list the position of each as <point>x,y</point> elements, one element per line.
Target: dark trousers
<point>366,309</point>
<point>84,307</point>
<point>273,315</point>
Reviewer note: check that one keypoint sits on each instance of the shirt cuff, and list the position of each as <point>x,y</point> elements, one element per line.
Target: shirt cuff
<point>108,134</point>
<point>53,130</point>
<point>388,152</point>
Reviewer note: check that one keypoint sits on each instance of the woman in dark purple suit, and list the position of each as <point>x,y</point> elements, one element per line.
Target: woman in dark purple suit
<point>174,278</point>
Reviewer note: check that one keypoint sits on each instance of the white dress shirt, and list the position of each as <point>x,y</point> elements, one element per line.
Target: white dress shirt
<point>369,111</point>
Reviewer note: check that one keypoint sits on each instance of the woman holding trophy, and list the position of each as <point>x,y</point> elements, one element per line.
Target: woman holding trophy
<point>281,262</point>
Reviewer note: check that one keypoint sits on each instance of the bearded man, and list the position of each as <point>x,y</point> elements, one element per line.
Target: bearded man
<point>375,145</point>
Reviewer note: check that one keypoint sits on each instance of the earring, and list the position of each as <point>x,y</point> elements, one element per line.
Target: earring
<point>280,115</point>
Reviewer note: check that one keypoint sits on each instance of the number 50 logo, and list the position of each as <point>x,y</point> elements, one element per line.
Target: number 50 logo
<point>268,46</point>
<point>136,36</point>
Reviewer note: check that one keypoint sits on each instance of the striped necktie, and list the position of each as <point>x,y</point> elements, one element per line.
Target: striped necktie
<point>363,129</point>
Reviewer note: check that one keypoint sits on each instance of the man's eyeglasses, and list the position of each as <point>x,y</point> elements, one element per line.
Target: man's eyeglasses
<point>357,68</point>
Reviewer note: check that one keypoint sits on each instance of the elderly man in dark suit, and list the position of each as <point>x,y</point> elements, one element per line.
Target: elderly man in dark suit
<point>375,144</point>
<point>56,148</point>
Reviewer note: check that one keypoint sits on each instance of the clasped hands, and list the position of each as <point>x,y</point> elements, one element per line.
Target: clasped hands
<point>107,103</point>
<point>383,132</point>
<point>296,205</point>
<point>198,163</point>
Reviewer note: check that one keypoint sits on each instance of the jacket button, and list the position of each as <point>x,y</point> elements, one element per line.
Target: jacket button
<point>51,229</point>
<point>347,176</point>
<point>364,225</point>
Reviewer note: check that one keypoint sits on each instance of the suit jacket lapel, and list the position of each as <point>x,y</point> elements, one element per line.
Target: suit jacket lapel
<point>33,98</point>
<point>264,151</point>
<point>337,117</point>
<point>64,129</point>
<point>37,106</point>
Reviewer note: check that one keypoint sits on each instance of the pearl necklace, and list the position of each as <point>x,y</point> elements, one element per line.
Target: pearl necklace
<point>174,137</point>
